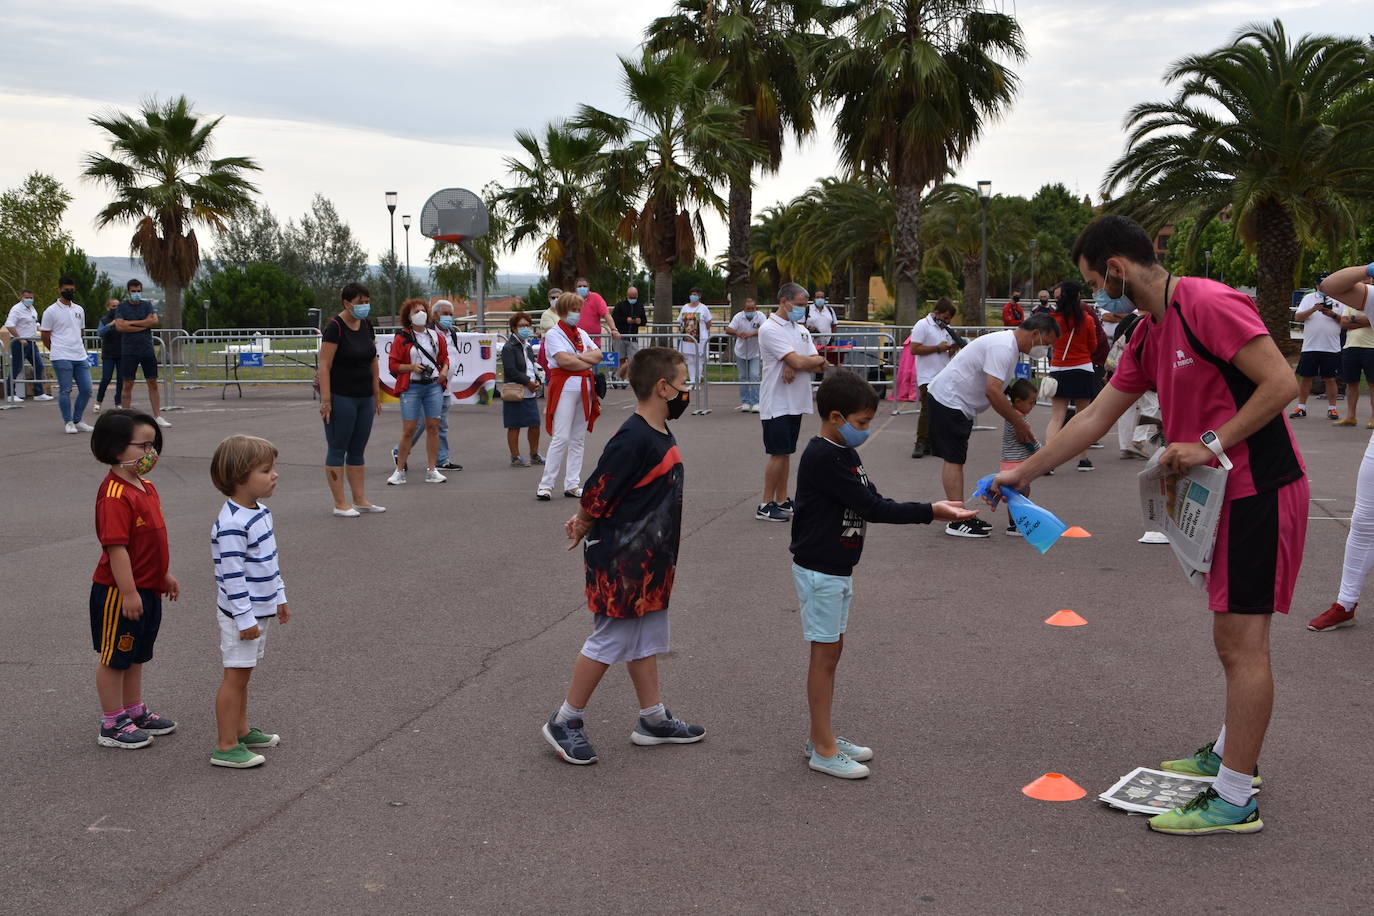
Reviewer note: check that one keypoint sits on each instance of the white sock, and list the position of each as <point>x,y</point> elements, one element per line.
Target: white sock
<point>566,712</point>
<point>654,714</point>
<point>1302,405</point>
<point>1219,748</point>
<point>1233,787</point>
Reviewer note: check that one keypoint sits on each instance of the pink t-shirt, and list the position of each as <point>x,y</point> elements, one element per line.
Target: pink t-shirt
<point>1187,359</point>
<point>594,308</point>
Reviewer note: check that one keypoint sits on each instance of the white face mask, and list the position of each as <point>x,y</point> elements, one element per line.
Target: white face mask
<point>419,319</point>
<point>1039,352</point>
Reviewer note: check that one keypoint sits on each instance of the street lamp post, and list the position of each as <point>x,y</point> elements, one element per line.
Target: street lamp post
<point>984,195</point>
<point>1207,258</point>
<point>1011,259</point>
<point>391,208</point>
<point>1034,246</point>
<point>405,222</point>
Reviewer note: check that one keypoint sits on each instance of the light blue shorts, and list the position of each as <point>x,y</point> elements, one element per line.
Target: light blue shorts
<point>422,402</point>
<point>627,639</point>
<point>824,603</point>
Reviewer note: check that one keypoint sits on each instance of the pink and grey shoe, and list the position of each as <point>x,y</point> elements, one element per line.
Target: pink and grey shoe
<point>154,724</point>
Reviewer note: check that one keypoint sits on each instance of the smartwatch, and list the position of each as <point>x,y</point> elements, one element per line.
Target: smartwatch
<point>1210,440</point>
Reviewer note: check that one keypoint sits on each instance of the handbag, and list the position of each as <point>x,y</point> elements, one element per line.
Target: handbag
<point>1049,385</point>
<point>512,392</point>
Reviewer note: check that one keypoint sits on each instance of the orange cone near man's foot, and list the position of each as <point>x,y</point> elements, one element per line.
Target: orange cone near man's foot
<point>1054,787</point>
<point>1066,619</point>
<point>1076,532</point>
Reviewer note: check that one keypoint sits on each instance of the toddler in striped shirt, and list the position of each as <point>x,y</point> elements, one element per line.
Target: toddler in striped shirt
<point>248,586</point>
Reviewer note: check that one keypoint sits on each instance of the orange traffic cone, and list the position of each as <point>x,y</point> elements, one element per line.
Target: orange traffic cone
<point>1066,619</point>
<point>1076,532</point>
<point>1055,787</point>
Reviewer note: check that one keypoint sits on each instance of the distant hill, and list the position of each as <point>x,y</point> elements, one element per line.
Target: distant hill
<point>123,268</point>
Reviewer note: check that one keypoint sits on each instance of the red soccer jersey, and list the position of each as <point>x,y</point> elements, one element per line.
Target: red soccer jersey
<point>126,516</point>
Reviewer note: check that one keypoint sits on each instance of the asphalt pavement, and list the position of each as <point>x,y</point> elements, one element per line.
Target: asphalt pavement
<point>428,644</point>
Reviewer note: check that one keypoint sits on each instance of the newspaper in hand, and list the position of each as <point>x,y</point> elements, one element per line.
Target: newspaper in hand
<point>1187,508</point>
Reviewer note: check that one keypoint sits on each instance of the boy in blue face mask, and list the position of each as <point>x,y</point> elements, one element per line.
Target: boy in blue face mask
<point>835,502</point>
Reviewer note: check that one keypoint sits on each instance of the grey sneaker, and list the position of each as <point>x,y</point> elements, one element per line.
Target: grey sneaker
<point>670,731</point>
<point>124,734</point>
<point>769,512</point>
<point>569,741</point>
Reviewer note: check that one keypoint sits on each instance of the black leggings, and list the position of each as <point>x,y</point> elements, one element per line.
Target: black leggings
<point>109,366</point>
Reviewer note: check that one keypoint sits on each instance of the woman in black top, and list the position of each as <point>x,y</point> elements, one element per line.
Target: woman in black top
<point>350,396</point>
<point>111,350</point>
<point>518,365</point>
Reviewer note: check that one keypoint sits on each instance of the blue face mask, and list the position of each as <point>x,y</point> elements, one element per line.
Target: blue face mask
<point>632,301</point>
<point>797,313</point>
<point>694,298</point>
<point>582,291</point>
<point>445,321</point>
<point>525,332</point>
<point>361,311</point>
<point>853,437</point>
<point>1118,305</point>
<point>134,297</point>
<point>749,314</point>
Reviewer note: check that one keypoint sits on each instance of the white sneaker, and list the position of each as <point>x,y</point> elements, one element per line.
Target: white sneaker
<point>71,429</point>
<point>433,476</point>
<point>753,408</point>
<point>43,397</point>
<point>11,398</point>
<point>95,408</point>
<point>85,427</point>
<point>397,478</point>
<point>743,408</point>
<point>161,422</point>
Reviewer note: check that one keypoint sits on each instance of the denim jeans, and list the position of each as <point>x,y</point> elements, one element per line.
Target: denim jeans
<point>68,370</point>
<point>748,372</point>
<point>21,350</point>
<point>443,430</point>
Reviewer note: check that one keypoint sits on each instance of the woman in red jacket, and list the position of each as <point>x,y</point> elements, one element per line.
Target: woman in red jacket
<point>1071,361</point>
<point>419,362</point>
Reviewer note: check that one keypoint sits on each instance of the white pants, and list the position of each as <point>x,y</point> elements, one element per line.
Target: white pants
<point>1147,405</point>
<point>695,355</point>
<point>1359,543</point>
<point>569,436</point>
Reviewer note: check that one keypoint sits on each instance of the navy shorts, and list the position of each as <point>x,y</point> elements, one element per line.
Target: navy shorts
<point>1314,363</point>
<point>780,434</point>
<point>130,362</point>
<point>120,641</point>
<point>1357,361</point>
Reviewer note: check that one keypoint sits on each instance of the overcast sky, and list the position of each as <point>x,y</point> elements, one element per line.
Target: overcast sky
<point>352,98</point>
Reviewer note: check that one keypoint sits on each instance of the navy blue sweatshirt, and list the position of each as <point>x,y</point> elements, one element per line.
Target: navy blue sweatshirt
<point>834,503</point>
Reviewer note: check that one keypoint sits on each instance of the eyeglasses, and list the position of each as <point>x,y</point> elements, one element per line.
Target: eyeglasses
<point>146,446</point>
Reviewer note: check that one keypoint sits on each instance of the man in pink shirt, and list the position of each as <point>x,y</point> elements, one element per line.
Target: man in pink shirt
<point>595,313</point>
<point>1223,386</point>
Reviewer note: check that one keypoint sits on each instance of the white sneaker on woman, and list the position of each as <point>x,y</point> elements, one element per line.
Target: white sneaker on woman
<point>397,478</point>
<point>161,422</point>
<point>433,476</point>
<point>70,429</point>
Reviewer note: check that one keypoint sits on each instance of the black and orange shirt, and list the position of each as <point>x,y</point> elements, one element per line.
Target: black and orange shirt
<point>126,516</point>
<point>635,499</point>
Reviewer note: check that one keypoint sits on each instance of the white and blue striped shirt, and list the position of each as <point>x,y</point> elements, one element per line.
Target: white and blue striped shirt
<point>247,579</point>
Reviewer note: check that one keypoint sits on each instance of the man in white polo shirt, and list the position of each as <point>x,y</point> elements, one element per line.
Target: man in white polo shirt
<point>22,324</point>
<point>789,357</point>
<point>972,382</point>
<point>62,325</point>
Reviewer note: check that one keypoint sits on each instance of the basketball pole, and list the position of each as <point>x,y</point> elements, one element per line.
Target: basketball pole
<point>467,246</point>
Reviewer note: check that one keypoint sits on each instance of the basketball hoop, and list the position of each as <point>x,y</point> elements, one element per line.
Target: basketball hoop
<point>457,216</point>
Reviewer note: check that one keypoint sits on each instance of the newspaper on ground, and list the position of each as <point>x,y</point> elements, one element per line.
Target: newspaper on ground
<point>1186,508</point>
<point>1147,791</point>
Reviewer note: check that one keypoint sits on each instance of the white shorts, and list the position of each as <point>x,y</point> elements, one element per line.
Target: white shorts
<point>240,653</point>
<point>627,639</point>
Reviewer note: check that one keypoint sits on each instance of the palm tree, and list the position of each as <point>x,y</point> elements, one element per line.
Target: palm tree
<point>953,239</point>
<point>549,201</point>
<point>843,225</point>
<point>914,83</point>
<point>1279,131</point>
<point>765,48</point>
<point>663,164</point>
<point>765,248</point>
<point>165,181</point>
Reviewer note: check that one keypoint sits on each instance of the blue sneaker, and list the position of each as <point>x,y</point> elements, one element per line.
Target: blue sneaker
<point>787,506</point>
<point>570,741</point>
<point>848,748</point>
<point>154,724</point>
<point>1208,813</point>
<point>670,731</point>
<point>840,765</point>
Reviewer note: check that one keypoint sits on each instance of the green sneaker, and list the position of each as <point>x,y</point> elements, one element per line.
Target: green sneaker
<point>240,758</point>
<point>1209,813</point>
<point>256,737</point>
<point>1204,762</point>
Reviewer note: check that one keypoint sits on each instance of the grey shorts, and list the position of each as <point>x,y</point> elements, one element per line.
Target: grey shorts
<point>627,639</point>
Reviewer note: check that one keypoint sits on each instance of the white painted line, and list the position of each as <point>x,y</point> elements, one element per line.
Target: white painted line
<point>96,828</point>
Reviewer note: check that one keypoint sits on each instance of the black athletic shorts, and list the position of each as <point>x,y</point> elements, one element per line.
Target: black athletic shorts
<point>949,431</point>
<point>780,434</point>
<point>1357,361</point>
<point>120,641</point>
<point>1315,363</point>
